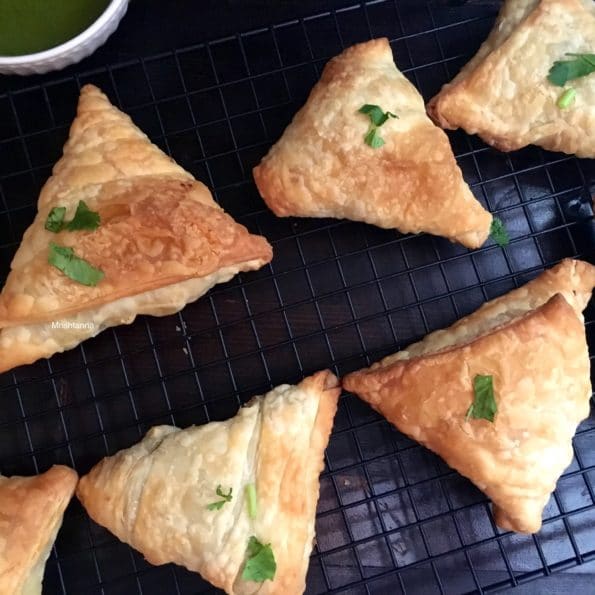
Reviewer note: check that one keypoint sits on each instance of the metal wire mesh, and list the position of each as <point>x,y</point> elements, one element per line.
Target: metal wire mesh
<point>392,517</point>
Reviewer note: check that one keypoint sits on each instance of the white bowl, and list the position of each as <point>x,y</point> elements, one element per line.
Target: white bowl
<point>71,51</point>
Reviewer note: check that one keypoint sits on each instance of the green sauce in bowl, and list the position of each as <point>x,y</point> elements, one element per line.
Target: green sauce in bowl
<point>30,26</point>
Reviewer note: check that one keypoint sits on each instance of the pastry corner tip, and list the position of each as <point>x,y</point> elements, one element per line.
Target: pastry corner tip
<point>90,88</point>
<point>90,91</point>
<point>376,45</point>
<point>326,380</point>
<point>528,524</point>
<point>477,238</point>
<point>435,109</point>
<point>59,480</point>
<point>350,383</point>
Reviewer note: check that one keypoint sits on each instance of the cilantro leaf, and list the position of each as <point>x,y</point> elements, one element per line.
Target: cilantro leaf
<point>375,113</point>
<point>377,118</point>
<point>77,269</point>
<point>567,70</point>
<point>373,139</point>
<point>227,496</point>
<point>499,233</point>
<point>219,504</point>
<point>216,505</point>
<point>484,403</point>
<point>260,562</point>
<point>84,218</point>
<point>55,219</point>
<point>251,500</point>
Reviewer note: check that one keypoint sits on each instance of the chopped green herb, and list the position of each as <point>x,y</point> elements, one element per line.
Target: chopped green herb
<point>377,118</point>
<point>566,99</point>
<point>484,402</point>
<point>375,113</point>
<point>567,70</point>
<point>219,504</point>
<point>84,218</point>
<point>251,500</point>
<point>499,233</point>
<point>55,219</point>
<point>72,266</point>
<point>260,562</point>
<point>373,139</point>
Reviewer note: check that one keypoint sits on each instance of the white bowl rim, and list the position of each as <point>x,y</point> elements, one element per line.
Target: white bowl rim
<point>90,31</point>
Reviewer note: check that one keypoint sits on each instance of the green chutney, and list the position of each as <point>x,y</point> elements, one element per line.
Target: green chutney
<point>29,26</point>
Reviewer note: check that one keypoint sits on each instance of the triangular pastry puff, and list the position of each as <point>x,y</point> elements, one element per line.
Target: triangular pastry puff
<point>322,167</point>
<point>503,93</point>
<point>532,342</point>
<point>31,511</point>
<point>162,241</point>
<point>155,495</point>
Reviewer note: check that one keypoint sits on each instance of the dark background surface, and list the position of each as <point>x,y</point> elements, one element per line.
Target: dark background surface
<point>329,296</point>
<point>154,26</point>
<point>159,25</point>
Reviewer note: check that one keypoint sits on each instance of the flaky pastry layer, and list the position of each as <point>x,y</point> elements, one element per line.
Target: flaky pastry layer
<point>25,344</point>
<point>321,166</point>
<point>573,279</point>
<point>503,93</point>
<point>155,495</point>
<point>532,343</point>
<point>162,240</point>
<point>154,232</point>
<point>31,511</point>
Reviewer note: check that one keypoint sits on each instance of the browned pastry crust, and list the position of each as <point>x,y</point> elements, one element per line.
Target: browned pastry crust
<point>154,495</point>
<point>104,145</point>
<point>31,510</point>
<point>503,94</point>
<point>321,166</point>
<point>532,342</point>
<point>162,242</point>
<point>154,232</point>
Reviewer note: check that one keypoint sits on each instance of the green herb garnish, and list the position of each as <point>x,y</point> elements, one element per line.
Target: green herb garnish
<point>566,99</point>
<point>77,269</point>
<point>260,562</point>
<point>55,219</point>
<point>377,118</point>
<point>84,218</point>
<point>484,403</point>
<point>251,500</point>
<point>499,233</point>
<point>373,139</point>
<point>567,70</point>
<point>219,504</point>
<point>375,113</point>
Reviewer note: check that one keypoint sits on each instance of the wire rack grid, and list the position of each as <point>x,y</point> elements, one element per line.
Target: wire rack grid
<point>392,517</point>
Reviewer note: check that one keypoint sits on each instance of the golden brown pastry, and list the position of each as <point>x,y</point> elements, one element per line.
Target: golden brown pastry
<point>503,93</point>
<point>323,167</point>
<point>182,495</point>
<point>531,343</point>
<point>161,242</point>
<point>31,511</point>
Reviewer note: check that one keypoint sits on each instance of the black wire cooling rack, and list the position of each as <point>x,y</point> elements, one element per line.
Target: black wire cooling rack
<point>392,517</point>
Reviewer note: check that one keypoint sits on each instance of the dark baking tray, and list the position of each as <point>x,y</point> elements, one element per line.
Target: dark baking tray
<point>392,517</point>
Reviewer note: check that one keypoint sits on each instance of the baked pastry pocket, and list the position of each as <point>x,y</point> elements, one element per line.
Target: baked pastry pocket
<point>121,230</point>
<point>363,148</point>
<point>520,88</point>
<point>233,500</point>
<point>31,512</point>
<point>499,394</point>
